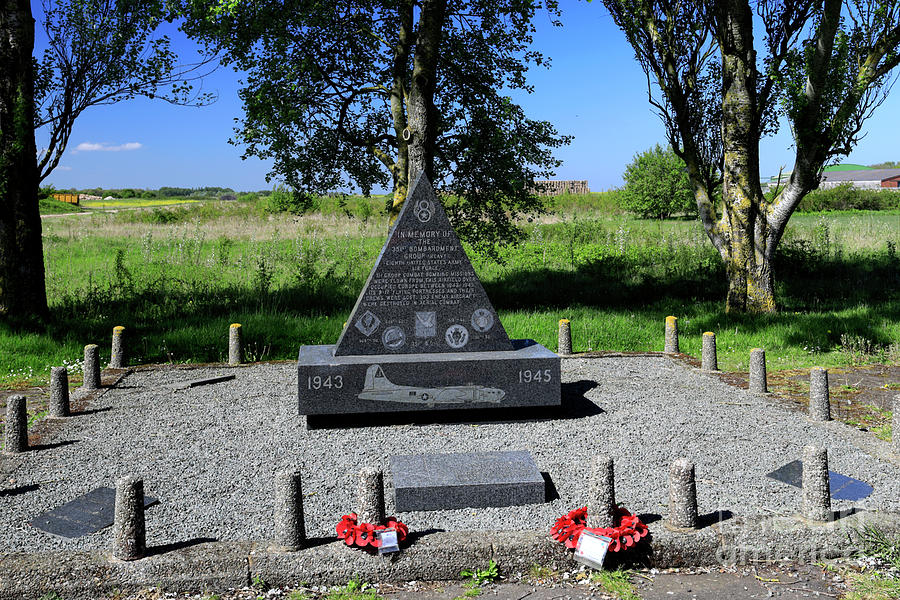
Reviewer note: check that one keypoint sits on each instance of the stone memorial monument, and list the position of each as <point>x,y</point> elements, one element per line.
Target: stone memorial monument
<point>423,334</point>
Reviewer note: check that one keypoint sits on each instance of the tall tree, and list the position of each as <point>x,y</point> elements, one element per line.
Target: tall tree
<point>825,66</point>
<point>22,290</point>
<point>345,93</point>
<point>103,52</point>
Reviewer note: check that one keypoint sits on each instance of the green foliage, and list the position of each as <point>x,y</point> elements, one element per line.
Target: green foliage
<point>847,197</point>
<point>888,164</point>
<point>283,199</point>
<point>616,583</point>
<point>354,590</point>
<point>49,206</point>
<point>334,125</point>
<point>479,577</point>
<point>178,288</point>
<point>51,596</point>
<point>875,542</point>
<point>657,185</point>
<point>104,52</point>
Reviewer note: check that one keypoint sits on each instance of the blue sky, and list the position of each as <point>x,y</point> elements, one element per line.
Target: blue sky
<point>594,90</point>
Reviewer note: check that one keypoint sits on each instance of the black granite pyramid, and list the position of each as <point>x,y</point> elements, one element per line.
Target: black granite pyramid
<point>423,334</point>
<point>423,295</point>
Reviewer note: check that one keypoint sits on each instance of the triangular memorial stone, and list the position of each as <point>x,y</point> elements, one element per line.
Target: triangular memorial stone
<point>422,296</point>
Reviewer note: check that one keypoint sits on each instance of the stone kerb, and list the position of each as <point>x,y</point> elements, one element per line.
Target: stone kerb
<point>290,529</point>
<point>117,355</point>
<point>370,496</point>
<point>671,345</point>
<point>758,381</point>
<point>819,402</point>
<point>564,343</point>
<point>91,379</point>
<point>59,392</point>
<point>895,438</point>
<point>682,495</point>
<point>235,346</point>
<point>129,534</point>
<point>816,504</point>
<point>15,430</point>
<point>708,359</point>
<point>602,493</point>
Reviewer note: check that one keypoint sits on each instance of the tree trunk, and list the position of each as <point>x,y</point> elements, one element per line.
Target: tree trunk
<point>399,96</point>
<point>22,290</point>
<point>422,113</point>
<point>750,287</point>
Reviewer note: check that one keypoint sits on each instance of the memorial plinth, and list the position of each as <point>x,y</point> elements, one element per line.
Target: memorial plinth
<point>466,480</point>
<point>423,334</point>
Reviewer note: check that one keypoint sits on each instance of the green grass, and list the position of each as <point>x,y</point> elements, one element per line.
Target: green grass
<point>135,202</point>
<point>875,584</point>
<point>176,284</point>
<point>49,206</point>
<point>615,583</point>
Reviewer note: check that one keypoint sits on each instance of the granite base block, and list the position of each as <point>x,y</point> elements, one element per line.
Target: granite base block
<point>465,480</point>
<point>528,375</point>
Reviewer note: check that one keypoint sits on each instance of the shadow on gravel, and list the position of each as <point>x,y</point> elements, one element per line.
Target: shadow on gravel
<point>53,445</point>
<point>22,489</point>
<point>574,405</point>
<point>712,518</point>
<point>93,411</point>
<point>550,491</point>
<point>647,518</point>
<point>164,548</point>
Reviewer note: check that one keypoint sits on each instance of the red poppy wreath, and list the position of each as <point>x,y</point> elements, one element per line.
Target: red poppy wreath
<point>630,530</point>
<point>363,535</point>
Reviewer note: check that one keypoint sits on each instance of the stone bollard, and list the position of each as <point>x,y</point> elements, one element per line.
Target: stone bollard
<point>816,491</point>
<point>895,436</point>
<point>565,337</point>
<point>819,405</point>
<point>15,430</point>
<point>602,500</point>
<point>129,536</point>
<point>235,351</point>
<point>117,356</point>
<point>370,496</point>
<point>708,360</point>
<point>758,371</point>
<point>682,495</point>
<point>59,392</point>
<point>290,530</point>
<point>91,367</point>
<point>671,334</point>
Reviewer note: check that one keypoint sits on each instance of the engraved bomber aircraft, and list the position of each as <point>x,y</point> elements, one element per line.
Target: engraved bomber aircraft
<point>379,387</point>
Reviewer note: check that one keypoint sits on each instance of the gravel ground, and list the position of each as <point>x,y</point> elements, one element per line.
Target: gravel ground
<point>209,453</point>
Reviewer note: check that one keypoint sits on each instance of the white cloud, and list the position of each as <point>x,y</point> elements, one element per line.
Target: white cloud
<point>92,147</point>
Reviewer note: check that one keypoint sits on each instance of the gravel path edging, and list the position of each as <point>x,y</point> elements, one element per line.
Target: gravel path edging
<point>216,566</point>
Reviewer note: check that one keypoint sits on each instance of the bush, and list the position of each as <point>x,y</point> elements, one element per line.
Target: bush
<point>283,199</point>
<point>847,197</point>
<point>657,185</point>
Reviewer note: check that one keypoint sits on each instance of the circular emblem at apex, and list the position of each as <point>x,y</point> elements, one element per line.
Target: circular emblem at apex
<point>424,210</point>
<point>393,338</point>
<point>456,336</point>
<point>482,320</point>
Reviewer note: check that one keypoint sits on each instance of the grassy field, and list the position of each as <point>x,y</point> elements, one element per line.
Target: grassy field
<point>135,202</point>
<point>177,277</point>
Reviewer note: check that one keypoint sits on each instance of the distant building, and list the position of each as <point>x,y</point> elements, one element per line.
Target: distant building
<point>861,178</point>
<point>869,179</point>
<point>558,187</point>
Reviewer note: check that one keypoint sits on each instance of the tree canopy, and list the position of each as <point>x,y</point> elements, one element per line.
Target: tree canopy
<point>360,93</point>
<point>657,184</point>
<point>103,52</point>
<point>723,74</point>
